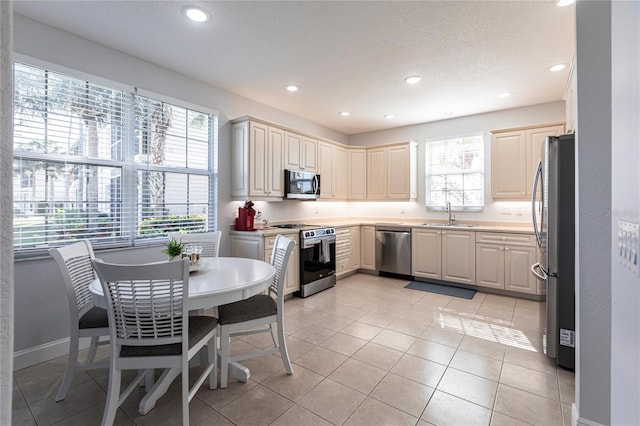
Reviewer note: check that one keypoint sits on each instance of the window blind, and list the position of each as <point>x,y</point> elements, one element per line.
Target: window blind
<point>104,164</point>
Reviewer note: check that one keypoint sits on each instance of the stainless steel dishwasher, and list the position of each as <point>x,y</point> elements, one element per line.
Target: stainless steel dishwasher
<point>393,249</point>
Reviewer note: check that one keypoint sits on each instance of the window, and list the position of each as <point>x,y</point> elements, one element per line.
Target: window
<point>455,173</point>
<point>96,162</point>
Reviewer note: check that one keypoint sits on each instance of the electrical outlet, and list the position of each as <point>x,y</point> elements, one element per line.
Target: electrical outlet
<point>628,240</point>
<point>506,211</point>
<point>518,211</point>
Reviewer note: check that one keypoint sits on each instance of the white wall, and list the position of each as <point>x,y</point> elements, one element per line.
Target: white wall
<point>625,205</point>
<point>593,281</point>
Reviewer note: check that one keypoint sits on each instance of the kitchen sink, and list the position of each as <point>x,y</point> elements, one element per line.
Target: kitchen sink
<point>451,225</point>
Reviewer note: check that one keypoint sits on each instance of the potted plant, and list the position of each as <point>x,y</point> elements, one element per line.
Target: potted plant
<point>174,248</point>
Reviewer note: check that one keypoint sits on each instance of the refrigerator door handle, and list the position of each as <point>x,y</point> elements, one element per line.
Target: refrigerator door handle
<point>539,271</point>
<point>533,205</point>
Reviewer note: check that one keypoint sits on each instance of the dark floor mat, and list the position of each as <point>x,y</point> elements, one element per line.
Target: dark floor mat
<point>464,293</point>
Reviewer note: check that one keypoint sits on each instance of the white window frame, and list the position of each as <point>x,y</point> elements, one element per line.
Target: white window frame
<point>429,174</point>
<point>129,168</point>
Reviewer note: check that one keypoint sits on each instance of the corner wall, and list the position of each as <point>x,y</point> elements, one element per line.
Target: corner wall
<point>593,213</point>
<point>625,205</point>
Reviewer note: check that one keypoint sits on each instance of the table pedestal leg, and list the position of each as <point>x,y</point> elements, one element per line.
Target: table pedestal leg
<point>239,371</point>
<point>159,388</point>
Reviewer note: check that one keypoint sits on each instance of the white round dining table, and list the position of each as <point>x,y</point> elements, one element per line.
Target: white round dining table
<point>216,281</point>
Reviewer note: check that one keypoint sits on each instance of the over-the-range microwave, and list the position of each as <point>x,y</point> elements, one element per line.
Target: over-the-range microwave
<point>301,185</point>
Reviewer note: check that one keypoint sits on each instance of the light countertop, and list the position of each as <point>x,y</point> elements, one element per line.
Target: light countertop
<point>341,223</point>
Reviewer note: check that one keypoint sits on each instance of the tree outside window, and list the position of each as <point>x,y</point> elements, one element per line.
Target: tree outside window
<point>105,164</point>
<point>455,173</point>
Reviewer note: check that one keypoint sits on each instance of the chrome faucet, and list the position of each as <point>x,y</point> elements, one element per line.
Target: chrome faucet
<point>452,217</point>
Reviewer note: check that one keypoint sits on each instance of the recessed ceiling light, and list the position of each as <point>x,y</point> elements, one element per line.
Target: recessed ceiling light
<point>504,95</point>
<point>558,67</point>
<point>413,79</point>
<point>563,3</point>
<point>389,116</point>
<point>195,14</point>
<point>344,113</point>
<point>292,88</point>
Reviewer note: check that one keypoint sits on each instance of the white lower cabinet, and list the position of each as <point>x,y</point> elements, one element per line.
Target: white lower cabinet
<point>443,255</point>
<point>459,256</point>
<point>256,246</point>
<point>343,251</point>
<point>426,253</point>
<point>347,250</point>
<point>503,261</point>
<point>368,247</point>
<point>355,248</point>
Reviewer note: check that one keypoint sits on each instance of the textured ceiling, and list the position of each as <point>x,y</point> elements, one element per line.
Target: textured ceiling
<point>344,55</point>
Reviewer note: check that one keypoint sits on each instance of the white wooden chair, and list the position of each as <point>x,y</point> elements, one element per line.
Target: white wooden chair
<point>148,308</point>
<point>86,319</point>
<point>209,241</point>
<point>258,314</point>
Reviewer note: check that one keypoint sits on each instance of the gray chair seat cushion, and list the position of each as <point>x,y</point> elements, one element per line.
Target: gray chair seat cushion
<point>94,318</point>
<point>258,306</point>
<point>199,326</point>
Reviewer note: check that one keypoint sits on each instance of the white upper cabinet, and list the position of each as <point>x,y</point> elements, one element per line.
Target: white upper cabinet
<point>332,167</point>
<point>300,152</point>
<point>392,172</point>
<point>515,154</point>
<point>376,176</point>
<point>357,171</point>
<point>257,157</point>
<point>261,151</point>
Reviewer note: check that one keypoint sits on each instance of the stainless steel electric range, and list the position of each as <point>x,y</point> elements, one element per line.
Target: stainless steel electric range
<point>317,257</point>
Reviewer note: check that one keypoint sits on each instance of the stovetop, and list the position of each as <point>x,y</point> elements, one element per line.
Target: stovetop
<point>291,225</point>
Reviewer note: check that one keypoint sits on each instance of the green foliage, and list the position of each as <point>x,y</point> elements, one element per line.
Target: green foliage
<point>74,223</point>
<point>161,225</point>
<point>174,248</point>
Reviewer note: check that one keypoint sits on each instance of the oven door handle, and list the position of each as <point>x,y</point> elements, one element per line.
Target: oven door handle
<point>315,241</point>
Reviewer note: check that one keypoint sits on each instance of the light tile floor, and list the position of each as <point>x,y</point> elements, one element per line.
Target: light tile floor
<point>366,352</point>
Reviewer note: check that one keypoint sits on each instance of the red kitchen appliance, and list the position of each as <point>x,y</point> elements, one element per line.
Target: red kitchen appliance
<point>246,214</point>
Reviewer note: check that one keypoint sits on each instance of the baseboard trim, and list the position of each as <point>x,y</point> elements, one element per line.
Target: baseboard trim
<point>45,352</point>
<point>577,421</point>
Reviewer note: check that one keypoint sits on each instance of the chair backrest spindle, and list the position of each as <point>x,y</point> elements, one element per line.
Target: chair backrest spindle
<point>209,241</point>
<point>147,301</point>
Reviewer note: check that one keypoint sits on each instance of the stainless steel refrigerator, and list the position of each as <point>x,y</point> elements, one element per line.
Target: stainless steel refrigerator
<point>554,205</point>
